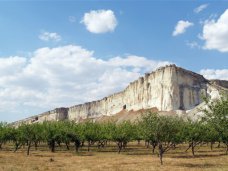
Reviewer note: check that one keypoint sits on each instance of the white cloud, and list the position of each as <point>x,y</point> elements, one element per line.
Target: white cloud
<point>100,21</point>
<point>193,44</point>
<point>200,8</point>
<point>47,36</point>
<point>181,27</point>
<point>63,76</point>
<point>221,74</point>
<point>215,33</point>
<point>11,65</point>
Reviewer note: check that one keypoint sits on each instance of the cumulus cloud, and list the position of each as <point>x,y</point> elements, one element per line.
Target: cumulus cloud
<point>215,33</point>
<point>221,74</point>
<point>47,36</point>
<point>100,21</point>
<point>200,8</point>
<point>63,76</point>
<point>11,65</point>
<point>181,27</point>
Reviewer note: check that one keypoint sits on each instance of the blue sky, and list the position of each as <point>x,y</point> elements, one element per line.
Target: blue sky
<point>135,37</point>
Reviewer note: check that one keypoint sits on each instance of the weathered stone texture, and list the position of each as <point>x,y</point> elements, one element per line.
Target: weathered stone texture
<point>168,88</point>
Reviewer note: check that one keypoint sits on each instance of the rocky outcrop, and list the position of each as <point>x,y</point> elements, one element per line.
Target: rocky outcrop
<point>221,83</point>
<point>169,88</point>
<point>52,115</point>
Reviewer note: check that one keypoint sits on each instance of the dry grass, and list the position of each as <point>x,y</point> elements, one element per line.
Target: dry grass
<point>135,157</point>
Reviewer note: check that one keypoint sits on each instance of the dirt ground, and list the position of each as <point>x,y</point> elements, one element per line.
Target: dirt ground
<point>135,157</point>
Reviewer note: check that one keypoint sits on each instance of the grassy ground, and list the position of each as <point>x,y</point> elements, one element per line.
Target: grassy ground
<point>135,157</point>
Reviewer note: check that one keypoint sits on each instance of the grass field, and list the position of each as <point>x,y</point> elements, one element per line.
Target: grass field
<point>135,157</point>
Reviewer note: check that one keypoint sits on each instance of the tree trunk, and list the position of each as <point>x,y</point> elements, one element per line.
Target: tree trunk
<point>154,144</point>
<point>124,145</point>
<point>189,146</point>
<point>67,146</point>
<point>36,145</point>
<point>16,146</point>
<point>29,146</point>
<point>77,145</point>
<point>212,145</point>
<point>174,146</point>
<point>161,151</point>
<point>153,149</point>
<point>138,142</point>
<point>88,145</point>
<point>0,146</point>
<point>218,145</point>
<point>52,145</point>
<point>193,149</point>
<point>120,146</point>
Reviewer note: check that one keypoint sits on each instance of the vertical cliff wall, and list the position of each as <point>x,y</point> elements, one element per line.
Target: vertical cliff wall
<point>57,114</point>
<point>168,88</point>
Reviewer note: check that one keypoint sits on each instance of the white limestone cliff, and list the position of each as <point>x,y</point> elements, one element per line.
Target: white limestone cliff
<point>169,88</point>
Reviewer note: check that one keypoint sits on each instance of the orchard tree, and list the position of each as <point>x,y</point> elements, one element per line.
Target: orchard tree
<point>138,131</point>
<point>75,134</point>
<point>147,125</point>
<point>194,133</point>
<point>51,134</point>
<point>162,130</point>
<point>37,134</point>
<point>122,133</point>
<point>28,135</point>
<point>3,133</point>
<point>217,116</point>
<point>16,136</point>
<point>91,133</point>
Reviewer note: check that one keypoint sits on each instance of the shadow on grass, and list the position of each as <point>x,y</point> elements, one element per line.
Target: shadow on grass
<point>190,165</point>
<point>40,155</point>
<point>84,154</point>
<point>198,156</point>
<point>140,153</point>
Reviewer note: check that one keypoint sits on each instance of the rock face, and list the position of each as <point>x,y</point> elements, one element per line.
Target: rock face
<point>168,88</point>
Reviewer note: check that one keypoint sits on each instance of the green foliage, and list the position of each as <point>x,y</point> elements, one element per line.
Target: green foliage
<point>161,128</point>
<point>163,133</point>
<point>217,118</point>
<point>122,133</point>
<point>3,133</point>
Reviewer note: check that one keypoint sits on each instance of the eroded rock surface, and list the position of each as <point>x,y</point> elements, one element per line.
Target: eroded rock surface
<point>169,88</point>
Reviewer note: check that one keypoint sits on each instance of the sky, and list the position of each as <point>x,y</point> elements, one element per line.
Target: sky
<point>63,53</point>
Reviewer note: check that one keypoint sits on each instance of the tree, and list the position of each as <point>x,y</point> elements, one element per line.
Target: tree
<point>37,133</point>
<point>194,133</point>
<point>217,116</point>
<point>138,131</point>
<point>27,135</point>
<point>75,134</point>
<point>91,133</point>
<point>122,133</point>
<point>51,134</point>
<point>15,135</point>
<point>3,133</point>
<point>147,125</point>
<point>162,130</point>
